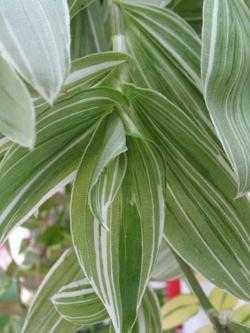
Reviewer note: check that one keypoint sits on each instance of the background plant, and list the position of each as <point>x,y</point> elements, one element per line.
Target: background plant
<point>147,115</point>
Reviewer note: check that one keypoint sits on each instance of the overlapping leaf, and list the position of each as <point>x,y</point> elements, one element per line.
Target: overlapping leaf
<point>17,116</point>
<point>166,266</point>
<point>201,210</point>
<point>28,178</point>
<point>225,74</point>
<point>42,316</point>
<point>35,39</point>
<point>126,198</point>
<point>76,6</point>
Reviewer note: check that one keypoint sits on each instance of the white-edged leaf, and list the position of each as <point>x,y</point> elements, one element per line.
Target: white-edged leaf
<point>35,39</point>
<point>166,266</point>
<point>77,303</point>
<point>176,311</point>
<point>17,115</point>
<point>94,69</point>
<point>42,316</point>
<point>29,178</point>
<point>133,216</point>
<point>226,80</point>
<point>205,225</point>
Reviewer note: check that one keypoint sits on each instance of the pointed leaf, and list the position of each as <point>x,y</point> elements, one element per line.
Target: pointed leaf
<point>225,74</point>
<point>17,116</point>
<point>42,316</point>
<point>201,209</point>
<point>133,222</point>
<point>35,39</point>
<point>29,178</point>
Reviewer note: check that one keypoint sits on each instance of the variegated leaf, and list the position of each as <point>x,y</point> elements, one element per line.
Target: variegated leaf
<point>28,178</point>
<point>226,80</point>
<point>35,39</point>
<point>127,198</point>
<point>42,316</point>
<point>17,115</point>
<point>76,6</point>
<point>77,303</point>
<point>201,210</point>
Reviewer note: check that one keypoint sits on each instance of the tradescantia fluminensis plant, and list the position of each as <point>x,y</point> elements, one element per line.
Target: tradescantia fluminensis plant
<point>144,107</point>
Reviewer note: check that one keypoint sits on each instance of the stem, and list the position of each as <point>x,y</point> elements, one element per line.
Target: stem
<point>208,308</point>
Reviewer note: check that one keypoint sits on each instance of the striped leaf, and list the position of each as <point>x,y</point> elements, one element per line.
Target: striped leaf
<point>225,74</point>
<point>87,32</point>
<point>17,116</point>
<point>77,303</point>
<point>35,39</point>
<point>94,69</point>
<point>42,316</point>
<point>4,146</point>
<point>159,34</point>
<point>76,6</point>
<point>201,210</point>
<point>28,178</point>
<point>133,216</point>
<point>166,266</point>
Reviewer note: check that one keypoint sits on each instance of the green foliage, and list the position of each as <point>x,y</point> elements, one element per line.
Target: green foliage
<point>153,133</point>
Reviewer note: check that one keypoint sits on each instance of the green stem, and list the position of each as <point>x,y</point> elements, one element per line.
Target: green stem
<point>208,308</point>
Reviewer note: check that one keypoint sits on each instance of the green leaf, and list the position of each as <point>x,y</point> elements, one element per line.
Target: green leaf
<point>35,39</point>
<point>133,216</point>
<point>76,302</point>
<point>241,316</point>
<point>166,266</point>
<point>87,32</point>
<point>29,178</point>
<point>205,225</point>
<point>94,69</point>
<point>225,74</point>
<point>76,6</point>
<point>206,329</point>
<point>221,300</point>
<point>42,316</point>
<point>176,311</point>
<point>17,116</point>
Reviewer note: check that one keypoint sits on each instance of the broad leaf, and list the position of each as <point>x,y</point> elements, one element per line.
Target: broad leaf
<point>201,209</point>
<point>17,116</point>
<point>166,266</point>
<point>35,39</point>
<point>176,311</point>
<point>226,79</point>
<point>28,178</point>
<point>127,200</point>
<point>42,316</point>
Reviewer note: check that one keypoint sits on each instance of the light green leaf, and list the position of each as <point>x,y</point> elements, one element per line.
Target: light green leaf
<point>77,302</point>
<point>133,215</point>
<point>76,6</point>
<point>94,69</point>
<point>176,311</point>
<point>35,39</point>
<point>241,316</point>
<point>221,300</point>
<point>205,225</point>
<point>159,3</point>
<point>206,329</point>
<point>166,266</point>
<point>17,116</point>
<point>29,178</point>
<point>42,316</point>
<point>226,79</point>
